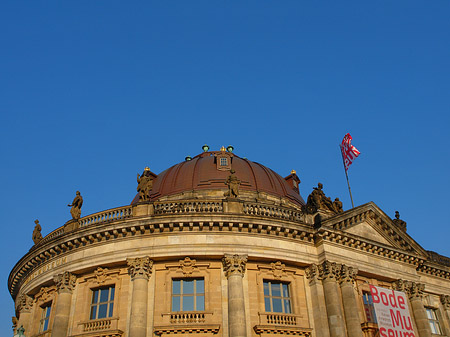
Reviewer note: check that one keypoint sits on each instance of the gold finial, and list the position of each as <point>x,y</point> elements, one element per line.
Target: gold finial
<point>293,172</point>
<point>223,149</point>
<point>147,168</point>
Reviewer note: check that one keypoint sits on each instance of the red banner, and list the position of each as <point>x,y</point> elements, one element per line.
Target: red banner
<point>349,152</point>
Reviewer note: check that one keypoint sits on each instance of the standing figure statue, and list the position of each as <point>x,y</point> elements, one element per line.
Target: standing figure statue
<point>37,236</point>
<point>337,204</point>
<point>76,206</point>
<point>233,185</point>
<point>145,184</point>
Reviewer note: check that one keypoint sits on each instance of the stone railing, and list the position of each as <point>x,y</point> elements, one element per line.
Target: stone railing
<point>100,324</point>
<point>278,319</point>
<point>106,216</point>
<point>186,317</point>
<point>188,207</point>
<point>273,211</point>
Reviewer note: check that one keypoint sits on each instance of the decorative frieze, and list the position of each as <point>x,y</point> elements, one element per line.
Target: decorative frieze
<point>234,264</point>
<point>140,267</point>
<point>65,282</point>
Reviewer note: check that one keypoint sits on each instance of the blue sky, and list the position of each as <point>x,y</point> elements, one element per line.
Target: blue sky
<point>91,92</point>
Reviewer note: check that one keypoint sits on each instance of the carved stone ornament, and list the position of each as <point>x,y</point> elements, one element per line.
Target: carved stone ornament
<point>400,285</point>
<point>445,300</point>
<point>65,282</point>
<point>44,294</point>
<point>399,222</point>
<point>233,185</point>
<point>140,267</point>
<point>187,266</point>
<point>234,264</point>
<point>416,290</point>
<point>347,274</point>
<point>312,273</point>
<point>145,184</point>
<point>101,275</point>
<point>14,322</point>
<point>25,303</point>
<point>278,269</point>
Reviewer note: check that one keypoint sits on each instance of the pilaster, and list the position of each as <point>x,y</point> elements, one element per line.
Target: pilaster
<point>65,284</point>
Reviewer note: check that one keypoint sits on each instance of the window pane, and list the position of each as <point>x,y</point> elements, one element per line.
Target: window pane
<point>102,310</point>
<point>94,312</point>
<point>267,304</point>
<point>266,289</point>
<point>111,307</point>
<point>47,311</point>
<point>112,294</point>
<point>104,295</point>
<point>188,286</point>
<point>176,288</point>
<point>276,291</point>
<point>429,314</point>
<point>45,327</point>
<point>287,306</point>
<point>200,286</point>
<point>175,303</point>
<point>200,303</point>
<point>285,290</point>
<point>95,297</point>
<point>277,306</point>
<point>188,303</point>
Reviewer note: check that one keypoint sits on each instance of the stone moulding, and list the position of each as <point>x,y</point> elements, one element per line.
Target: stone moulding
<point>282,330</point>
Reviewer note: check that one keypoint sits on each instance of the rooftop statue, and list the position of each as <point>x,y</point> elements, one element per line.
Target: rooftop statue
<point>318,200</point>
<point>233,185</point>
<point>76,206</point>
<point>145,184</point>
<point>37,236</point>
<point>399,222</point>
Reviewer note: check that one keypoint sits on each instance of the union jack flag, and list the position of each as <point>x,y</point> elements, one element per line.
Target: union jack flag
<point>349,152</point>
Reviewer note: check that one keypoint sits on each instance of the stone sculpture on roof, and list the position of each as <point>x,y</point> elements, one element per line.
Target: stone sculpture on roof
<point>318,200</point>
<point>75,211</point>
<point>233,185</point>
<point>37,236</point>
<point>145,184</point>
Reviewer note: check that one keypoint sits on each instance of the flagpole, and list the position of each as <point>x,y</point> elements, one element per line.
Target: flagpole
<point>346,175</point>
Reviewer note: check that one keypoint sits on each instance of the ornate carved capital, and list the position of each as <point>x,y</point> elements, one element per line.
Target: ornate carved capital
<point>416,290</point>
<point>24,303</point>
<point>329,270</point>
<point>140,267</point>
<point>347,274</point>
<point>400,285</point>
<point>278,269</point>
<point>234,264</point>
<point>445,300</point>
<point>312,273</point>
<point>65,282</point>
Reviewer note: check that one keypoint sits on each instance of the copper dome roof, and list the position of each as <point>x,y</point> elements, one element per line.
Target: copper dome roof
<point>203,173</point>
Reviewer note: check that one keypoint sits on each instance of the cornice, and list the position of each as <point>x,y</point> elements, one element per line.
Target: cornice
<point>151,225</point>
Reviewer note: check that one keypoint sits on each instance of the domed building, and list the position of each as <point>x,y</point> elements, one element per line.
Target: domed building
<point>222,246</point>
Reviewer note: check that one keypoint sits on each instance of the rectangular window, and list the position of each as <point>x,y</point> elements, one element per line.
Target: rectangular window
<point>102,303</point>
<point>434,321</point>
<point>276,297</point>
<point>45,317</point>
<point>188,294</point>
<point>223,161</point>
<point>369,308</point>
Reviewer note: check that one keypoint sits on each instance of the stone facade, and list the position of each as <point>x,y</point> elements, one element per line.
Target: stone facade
<point>199,263</point>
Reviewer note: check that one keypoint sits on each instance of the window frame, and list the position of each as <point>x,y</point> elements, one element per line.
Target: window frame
<point>181,295</point>
<point>369,306</point>
<point>434,321</point>
<point>282,298</point>
<point>109,303</point>
<point>45,317</point>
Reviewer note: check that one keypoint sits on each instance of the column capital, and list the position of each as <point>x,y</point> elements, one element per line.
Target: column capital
<point>347,274</point>
<point>65,282</point>
<point>312,273</point>
<point>24,303</point>
<point>140,267</point>
<point>329,270</point>
<point>413,289</point>
<point>445,300</point>
<point>400,285</point>
<point>234,264</point>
